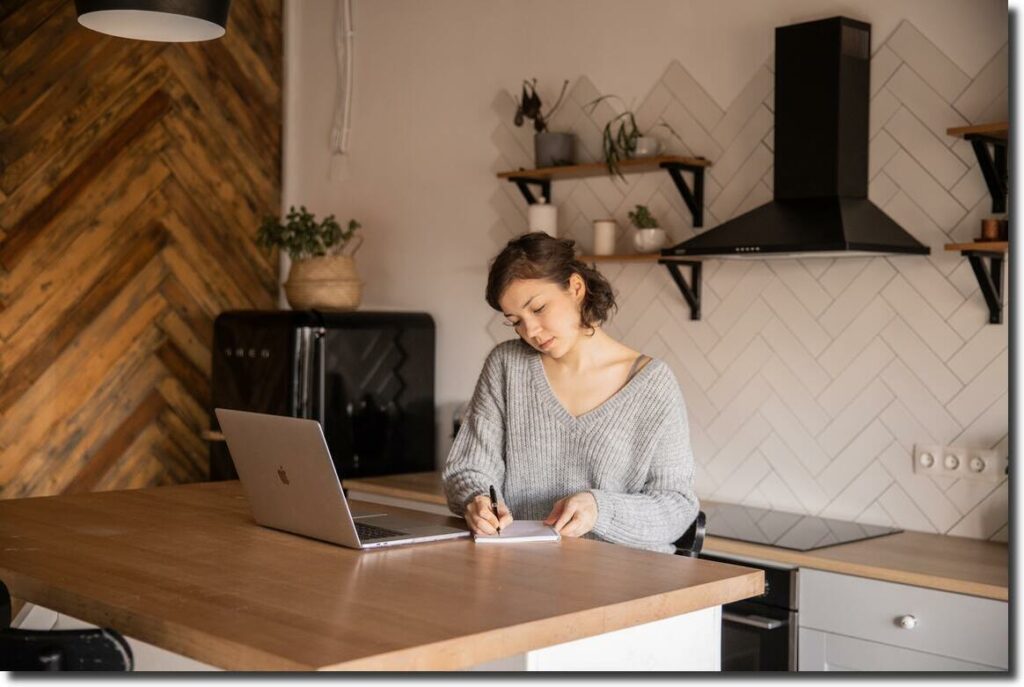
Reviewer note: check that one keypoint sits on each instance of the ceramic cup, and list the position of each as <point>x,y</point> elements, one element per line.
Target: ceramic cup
<point>647,146</point>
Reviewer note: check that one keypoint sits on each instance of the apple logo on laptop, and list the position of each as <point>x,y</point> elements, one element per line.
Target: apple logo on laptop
<point>283,475</point>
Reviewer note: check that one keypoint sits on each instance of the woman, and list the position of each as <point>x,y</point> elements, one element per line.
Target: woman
<point>569,425</point>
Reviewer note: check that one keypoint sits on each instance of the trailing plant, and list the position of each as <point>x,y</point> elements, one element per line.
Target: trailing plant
<point>302,236</point>
<point>620,143</point>
<point>528,106</point>
<point>642,218</point>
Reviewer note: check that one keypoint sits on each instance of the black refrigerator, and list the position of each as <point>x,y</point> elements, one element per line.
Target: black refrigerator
<point>367,377</point>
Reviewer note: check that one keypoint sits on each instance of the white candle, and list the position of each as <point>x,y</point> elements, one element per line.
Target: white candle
<point>604,236</point>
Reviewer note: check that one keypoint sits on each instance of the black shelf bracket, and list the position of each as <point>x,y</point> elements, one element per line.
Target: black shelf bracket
<point>524,183</point>
<point>691,292</point>
<point>694,198</point>
<point>990,279</point>
<point>993,167</point>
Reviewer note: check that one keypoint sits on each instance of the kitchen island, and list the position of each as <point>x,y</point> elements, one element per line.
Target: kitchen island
<point>187,570</point>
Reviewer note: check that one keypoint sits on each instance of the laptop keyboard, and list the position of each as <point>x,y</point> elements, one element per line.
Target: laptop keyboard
<point>370,532</point>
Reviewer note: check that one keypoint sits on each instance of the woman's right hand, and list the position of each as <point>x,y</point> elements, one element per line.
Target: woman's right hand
<point>481,519</point>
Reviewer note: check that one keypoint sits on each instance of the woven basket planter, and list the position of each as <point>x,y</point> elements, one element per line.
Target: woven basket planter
<point>324,283</point>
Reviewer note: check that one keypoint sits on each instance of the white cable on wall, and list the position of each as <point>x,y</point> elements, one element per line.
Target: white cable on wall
<point>343,47</point>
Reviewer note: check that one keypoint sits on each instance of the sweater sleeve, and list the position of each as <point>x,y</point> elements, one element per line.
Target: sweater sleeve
<point>477,457</point>
<point>666,505</point>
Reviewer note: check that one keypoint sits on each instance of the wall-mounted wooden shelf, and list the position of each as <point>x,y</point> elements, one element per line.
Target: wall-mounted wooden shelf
<point>999,130</point>
<point>993,164</point>
<point>981,246</point>
<point>675,165</point>
<point>990,277</point>
<point>631,257</point>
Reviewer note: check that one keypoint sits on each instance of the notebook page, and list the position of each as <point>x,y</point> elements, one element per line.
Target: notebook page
<point>520,531</point>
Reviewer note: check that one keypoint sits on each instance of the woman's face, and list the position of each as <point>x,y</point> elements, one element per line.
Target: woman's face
<point>544,314</point>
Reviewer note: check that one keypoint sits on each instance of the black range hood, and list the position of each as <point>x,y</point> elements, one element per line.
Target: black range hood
<point>822,94</point>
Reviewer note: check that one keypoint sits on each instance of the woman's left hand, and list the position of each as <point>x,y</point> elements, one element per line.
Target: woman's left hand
<point>574,515</point>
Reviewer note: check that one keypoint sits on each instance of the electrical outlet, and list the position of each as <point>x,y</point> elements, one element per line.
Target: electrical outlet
<point>961,462</point>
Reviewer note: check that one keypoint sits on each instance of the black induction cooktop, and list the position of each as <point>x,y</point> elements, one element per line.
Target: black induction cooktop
<point>787,530</point>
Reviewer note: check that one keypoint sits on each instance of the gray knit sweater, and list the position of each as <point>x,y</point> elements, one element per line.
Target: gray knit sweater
<point>632,452</point>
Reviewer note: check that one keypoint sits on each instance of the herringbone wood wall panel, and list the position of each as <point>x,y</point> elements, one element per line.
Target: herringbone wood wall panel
<point>132,177</point>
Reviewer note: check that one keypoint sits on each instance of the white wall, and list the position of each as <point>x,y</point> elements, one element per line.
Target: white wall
<point>420,174</point>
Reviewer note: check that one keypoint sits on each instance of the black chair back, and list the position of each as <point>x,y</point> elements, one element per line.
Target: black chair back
<point>99,649</point>
<point>692,540</point>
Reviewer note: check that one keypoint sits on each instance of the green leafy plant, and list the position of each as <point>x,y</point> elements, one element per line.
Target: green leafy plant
<point>620,135</point>
<point>302,236</point>
<point>528,106</point>
<point>642,218</point>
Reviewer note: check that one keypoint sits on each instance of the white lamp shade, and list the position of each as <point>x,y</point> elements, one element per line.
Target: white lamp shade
<point>177,21</point>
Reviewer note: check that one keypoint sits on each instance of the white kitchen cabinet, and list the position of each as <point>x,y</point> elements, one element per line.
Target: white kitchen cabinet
<point>855,623</point>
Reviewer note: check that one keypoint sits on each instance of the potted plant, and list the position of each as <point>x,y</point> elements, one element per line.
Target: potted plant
<point>649,236</point>
<point>550,148</point>
<point>323,272</point>
<point>622,139</point>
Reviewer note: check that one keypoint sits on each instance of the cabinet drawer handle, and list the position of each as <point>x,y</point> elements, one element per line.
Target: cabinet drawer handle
<point>757,621</point>
<point>907,622</point>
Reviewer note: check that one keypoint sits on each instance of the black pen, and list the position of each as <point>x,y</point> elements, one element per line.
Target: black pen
<point>494,506</point>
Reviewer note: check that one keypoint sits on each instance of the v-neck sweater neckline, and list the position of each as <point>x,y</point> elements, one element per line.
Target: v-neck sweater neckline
<point>543,386</point>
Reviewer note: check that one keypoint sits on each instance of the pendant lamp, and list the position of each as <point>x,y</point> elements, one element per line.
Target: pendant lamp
<point>173,21</point>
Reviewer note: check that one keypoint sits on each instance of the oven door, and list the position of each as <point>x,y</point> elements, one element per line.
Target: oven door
<point>758,637</point>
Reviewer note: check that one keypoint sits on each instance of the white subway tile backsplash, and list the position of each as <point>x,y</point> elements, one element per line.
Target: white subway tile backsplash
<point>902,509</point>
<point>856,376</point>
<point>795,356</point>
<point>979,392</point>
<point>795,475</point>
<point>989,84</point>
<point>940,72</point>
<point>922,318</point>
<point>917,356</point>
<point>864,490</point>
<point>687,91</point>
<point>743,106</point>
<point>920,402</point>
<point>854,418</point>
<point>857,294</point>
<point>883,65</point>
<point>797,398</point>
<point>861,451</point>
<point>931,500</point>
<point>743,145</point>
<point>930,107</point>
<point>986,518</point>
<point>792,433</point>
<point>809,381</point>
<point>922,188</point>
<point>856,337</point>
<point>925,147</point>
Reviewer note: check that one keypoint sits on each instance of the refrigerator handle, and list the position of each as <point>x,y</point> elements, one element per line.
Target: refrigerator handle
<point>303,373</point>
<point>320,359</point>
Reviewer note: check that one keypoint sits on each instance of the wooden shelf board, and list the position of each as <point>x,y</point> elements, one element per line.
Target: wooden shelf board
<point>633,257</point>
<point>638,257</point>
<point>992,130</point>
<point>983,246</point>
<point>591,169</point>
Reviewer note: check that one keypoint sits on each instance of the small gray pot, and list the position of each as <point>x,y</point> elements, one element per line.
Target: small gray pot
<point>552,149</point>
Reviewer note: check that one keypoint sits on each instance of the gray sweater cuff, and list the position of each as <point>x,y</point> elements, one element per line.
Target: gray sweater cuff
<point>605,512</point>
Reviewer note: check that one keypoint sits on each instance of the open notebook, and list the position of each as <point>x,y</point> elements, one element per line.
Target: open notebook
<point>520,531</point>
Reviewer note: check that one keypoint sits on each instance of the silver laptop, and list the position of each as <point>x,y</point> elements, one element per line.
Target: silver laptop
<point>287,472</point>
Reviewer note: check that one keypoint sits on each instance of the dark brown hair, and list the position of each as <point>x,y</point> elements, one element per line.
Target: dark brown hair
<point>539,256</point>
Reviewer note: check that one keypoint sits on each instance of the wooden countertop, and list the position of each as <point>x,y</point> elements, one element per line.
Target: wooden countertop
<point>187,569</point>
<point>954,564</point>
